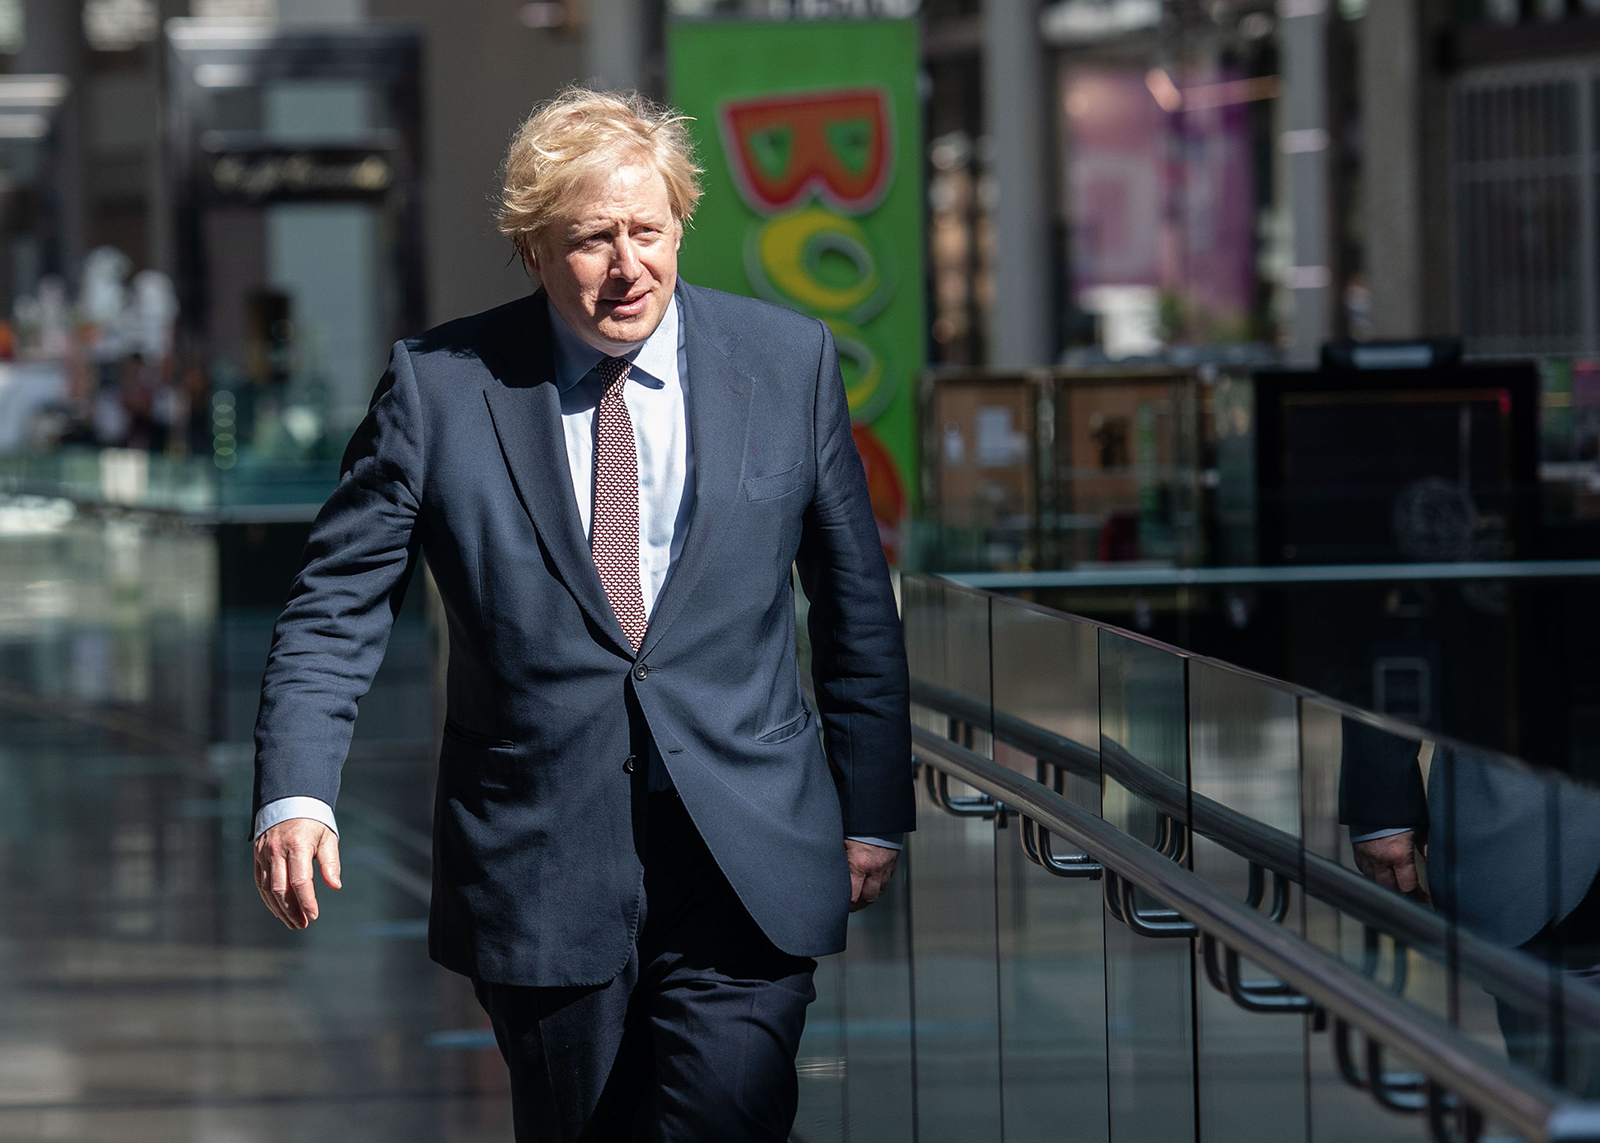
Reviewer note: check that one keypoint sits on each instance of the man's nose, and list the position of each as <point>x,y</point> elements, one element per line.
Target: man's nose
<point>625,264</point>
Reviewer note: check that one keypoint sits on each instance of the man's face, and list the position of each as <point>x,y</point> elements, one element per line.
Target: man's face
<point>610,268</point>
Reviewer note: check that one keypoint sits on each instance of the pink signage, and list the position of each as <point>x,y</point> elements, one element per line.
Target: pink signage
<point>1161,191</point>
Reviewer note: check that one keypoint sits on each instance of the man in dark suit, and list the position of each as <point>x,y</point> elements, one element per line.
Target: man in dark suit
<point>639,843</point>
<point>1512,856</point>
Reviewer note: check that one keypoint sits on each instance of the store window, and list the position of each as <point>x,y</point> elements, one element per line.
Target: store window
<point>119,25</point>
<point>960,213</point>
<point>1166,180</point>
<point>299,226</point>
<point>12,26</point>
<point>1524,166</point>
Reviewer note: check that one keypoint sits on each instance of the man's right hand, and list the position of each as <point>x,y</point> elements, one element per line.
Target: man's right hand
<point>1390,861</point>
<point>283,868</point>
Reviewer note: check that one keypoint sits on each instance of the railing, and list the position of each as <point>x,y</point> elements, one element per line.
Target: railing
<point>256,490</point>
<point>1265,848</point>
<point>1114,831</point>
<point>1462,1079</point>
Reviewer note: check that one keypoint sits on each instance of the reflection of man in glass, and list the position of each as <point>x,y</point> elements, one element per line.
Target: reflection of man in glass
<point>1511,857</point>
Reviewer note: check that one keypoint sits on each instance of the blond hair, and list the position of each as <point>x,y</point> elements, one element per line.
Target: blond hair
<point>580,134</point>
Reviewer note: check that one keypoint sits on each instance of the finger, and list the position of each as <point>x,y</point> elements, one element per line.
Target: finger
<point>275,907</point>
<point>1383,874</point>
<point>264,887</point>
<point>278,885</point>
<point>1405,872</point>
<point>328,859</point>
<point>282,884</point>
<point>302,885</point>
<point>871,888</point>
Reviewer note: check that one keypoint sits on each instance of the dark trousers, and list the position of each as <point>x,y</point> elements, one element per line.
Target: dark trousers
<point>694,1040</point>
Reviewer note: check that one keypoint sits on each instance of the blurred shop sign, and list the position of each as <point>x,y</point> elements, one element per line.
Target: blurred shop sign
<point>277,174</point>
<point>797,9</point>
<point>1161,208</point>
<point>1090,21</point>
<point>809,136</point>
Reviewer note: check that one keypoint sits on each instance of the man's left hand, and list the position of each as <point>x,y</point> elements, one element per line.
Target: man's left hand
<point>1390,861</point>
<point>871,866</point>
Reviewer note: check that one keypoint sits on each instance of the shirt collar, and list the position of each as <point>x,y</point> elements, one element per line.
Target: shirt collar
<point>656,356</point>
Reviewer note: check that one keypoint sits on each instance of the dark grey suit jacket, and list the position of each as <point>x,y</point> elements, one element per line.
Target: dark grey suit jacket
<point>1510,850</point>
<point>537,877</point>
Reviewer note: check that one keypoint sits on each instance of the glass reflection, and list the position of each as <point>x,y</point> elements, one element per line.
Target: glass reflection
<point>1488,868</point>
<point>1245,756</point>
<point>879,1092</point>
<point>820,1063</point>
<point>1052,959</point>
<point>952,875</point>
<point>1512,858</point>
<point>1149,985</point>
<point>152,996</point>
<point>1344,779</point>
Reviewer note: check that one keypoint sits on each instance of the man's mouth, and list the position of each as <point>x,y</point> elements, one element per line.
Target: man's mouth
<point>629,306</point>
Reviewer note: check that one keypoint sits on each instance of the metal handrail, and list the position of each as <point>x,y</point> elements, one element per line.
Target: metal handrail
<point>1452,1062</point>
<point>1498,968</point>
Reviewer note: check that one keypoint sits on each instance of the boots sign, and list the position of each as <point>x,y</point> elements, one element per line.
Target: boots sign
<point>808,134</point>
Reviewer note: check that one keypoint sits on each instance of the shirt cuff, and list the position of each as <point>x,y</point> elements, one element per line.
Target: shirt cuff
<point>881,842</point>
<point>1377,833</point>
<point>283,809</point>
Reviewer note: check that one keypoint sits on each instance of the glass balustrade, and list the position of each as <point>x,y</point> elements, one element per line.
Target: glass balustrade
<point>1000,991</point>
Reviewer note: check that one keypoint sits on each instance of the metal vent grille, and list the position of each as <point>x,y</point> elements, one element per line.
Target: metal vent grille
<point>1524,168</point>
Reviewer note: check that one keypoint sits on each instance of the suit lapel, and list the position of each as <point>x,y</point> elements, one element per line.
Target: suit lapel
<point>526,409</point>
<point>717,392</point>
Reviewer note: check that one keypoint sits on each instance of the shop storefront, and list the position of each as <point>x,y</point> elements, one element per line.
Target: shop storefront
<point>294,156</point>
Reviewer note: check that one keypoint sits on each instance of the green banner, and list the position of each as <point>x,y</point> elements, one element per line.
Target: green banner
<point>808,132</point>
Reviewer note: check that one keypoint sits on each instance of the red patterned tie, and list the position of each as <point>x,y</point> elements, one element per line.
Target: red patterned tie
<point>614,519</point>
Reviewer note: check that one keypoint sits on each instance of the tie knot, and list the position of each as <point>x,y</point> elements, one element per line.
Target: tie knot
<point>613,370</point>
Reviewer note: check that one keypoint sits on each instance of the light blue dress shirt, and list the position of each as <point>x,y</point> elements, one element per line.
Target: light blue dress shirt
<point>654,393</point>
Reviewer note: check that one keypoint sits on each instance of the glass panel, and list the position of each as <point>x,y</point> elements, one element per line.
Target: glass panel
<point>820,1063</point>
<point>1052,957</point>
<point>1149,990</point>
<point>880,1094</point>
<point>951,862</point>
<point>1512,861</point>
<point>1244,754</point>
<point>325,261</point>
<point>1356,778</point>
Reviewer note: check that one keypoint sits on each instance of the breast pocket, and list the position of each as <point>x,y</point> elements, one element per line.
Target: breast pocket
<point>776,485</point>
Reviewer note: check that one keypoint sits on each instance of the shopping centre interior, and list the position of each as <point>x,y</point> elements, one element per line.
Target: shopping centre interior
<point>1226,375</point>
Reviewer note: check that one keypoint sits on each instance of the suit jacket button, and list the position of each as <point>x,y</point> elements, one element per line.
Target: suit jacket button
<point>627,764</point>
<point>640,672</point>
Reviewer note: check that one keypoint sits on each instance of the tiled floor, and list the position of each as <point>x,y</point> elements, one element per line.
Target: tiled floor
<point>145,992</point>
